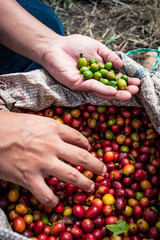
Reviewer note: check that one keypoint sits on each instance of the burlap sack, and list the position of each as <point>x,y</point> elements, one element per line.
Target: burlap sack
<point>37,90</point>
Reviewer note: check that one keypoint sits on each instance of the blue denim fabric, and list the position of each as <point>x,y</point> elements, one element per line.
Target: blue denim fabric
<point>11,62</point>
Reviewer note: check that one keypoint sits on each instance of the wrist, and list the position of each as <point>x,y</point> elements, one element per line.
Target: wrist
<point>46,44</point>
<point>51,50</point>
<point>23,33</point>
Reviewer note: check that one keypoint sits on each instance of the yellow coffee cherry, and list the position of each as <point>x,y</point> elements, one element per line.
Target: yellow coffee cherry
<point>108,199</point>
<point>67,211</point>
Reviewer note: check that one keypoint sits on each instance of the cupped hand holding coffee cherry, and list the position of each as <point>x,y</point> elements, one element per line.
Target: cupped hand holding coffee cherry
<point>60,60</point>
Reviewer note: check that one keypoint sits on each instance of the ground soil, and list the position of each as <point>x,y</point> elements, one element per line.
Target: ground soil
<point>126,25</point>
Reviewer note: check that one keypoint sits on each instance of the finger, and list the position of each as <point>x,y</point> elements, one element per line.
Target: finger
<point>109,55</point>
<point>72,136</point>
<point>71,175</point>
<point>93,85</point>
<point>132,89</point>
<point>42,192</point>
<point>79,156</point>
<point>134,81</point>
<point>131,81</point>
<point>122,95</point>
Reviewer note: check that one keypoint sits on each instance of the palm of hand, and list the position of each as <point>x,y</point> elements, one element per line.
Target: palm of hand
<point>61,63</point>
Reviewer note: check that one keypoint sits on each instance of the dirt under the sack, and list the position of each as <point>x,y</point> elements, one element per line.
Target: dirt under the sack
<point>132,24</point>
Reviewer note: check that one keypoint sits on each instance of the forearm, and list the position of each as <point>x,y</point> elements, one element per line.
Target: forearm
<point>23,33</point>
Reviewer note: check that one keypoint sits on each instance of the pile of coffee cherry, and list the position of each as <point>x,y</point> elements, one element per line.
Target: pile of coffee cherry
<point>126,202</point>
<point>105,73</point>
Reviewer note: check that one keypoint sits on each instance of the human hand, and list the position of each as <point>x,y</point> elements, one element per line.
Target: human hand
<point>32,147</point>
<point>61,62</point>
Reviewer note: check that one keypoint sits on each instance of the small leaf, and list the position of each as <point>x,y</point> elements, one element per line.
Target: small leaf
<point>154,209</point>
<point>118,228</point>
<point>54,223</point>
<point>132,158</point>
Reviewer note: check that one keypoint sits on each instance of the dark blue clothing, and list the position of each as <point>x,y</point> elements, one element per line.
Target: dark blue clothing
<point>11,62</point>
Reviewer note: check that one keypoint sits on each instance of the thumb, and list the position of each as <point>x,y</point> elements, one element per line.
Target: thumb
<point>109,56</point>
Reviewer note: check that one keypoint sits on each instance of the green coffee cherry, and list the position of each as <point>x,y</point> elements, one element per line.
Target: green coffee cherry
<point>82,61</point>
<point>110,75</point>
<point>94,67</point>
<point>92,60</point>
<point>104,81</point>
<point>121,83</point>
<point>97,75</point>
<point>125,77</point>
<point>84,68</point>
<point>87,74</point>
<point>101,66</point>
<point>103,72</point>
<point>108,66</point>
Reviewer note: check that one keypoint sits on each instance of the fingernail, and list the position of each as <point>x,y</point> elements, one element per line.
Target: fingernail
<point>104,170</point>
<point>92,187</point>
